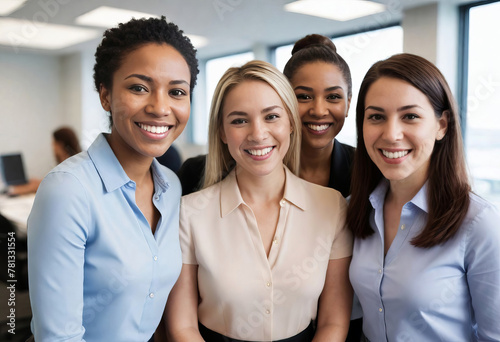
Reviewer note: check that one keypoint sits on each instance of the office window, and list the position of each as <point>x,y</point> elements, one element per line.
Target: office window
<point>360,51</point>
<point>215,68</point>
<point>482,122</point>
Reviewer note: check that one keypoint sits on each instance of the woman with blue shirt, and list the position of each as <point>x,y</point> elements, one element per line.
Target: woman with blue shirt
<point>103,233</point>
<point>426,258</point>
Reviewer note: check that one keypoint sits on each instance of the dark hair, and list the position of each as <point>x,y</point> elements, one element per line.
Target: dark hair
<point>119,41</point>
<point>448,181</point>
<point>317,48</point>
<point>67,137</point>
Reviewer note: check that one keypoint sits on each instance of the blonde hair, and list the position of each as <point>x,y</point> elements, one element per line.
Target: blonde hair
<point>219,161</point>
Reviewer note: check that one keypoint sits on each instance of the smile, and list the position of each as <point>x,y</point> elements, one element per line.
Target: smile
<point>153,129</point>
<point>395,155</point>
<point>260,152</point>
<point>317,127</point>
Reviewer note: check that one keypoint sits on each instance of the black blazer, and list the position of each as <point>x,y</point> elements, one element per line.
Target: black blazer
<point>192,170</point>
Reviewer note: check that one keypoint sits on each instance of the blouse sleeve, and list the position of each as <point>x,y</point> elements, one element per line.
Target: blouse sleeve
<point>57,235</point>
<point>482,262</point>
<point>185,233</point>
<point>343,240</point>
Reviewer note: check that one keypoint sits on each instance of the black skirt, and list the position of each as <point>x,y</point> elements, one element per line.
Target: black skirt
<point>212,336</point>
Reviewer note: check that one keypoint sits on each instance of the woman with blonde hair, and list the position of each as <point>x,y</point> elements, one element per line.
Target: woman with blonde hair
<point>261,247</point>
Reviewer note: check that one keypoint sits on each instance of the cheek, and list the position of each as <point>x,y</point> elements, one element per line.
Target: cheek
<point>303,109</point>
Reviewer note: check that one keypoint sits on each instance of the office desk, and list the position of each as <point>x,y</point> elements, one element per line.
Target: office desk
<point>17,209</point>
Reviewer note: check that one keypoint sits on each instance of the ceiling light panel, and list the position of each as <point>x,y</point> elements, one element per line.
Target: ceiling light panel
<point>9,6</point>
<point>19,33</point>
<point>107,17</point>
<point>340,10</point>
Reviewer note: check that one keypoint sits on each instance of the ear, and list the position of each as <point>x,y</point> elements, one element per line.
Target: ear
<point>443,125</point>
<point>348,106</point>
<point>105,97</point>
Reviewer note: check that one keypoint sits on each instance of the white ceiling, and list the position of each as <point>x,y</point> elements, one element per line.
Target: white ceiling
<point>230,25</point>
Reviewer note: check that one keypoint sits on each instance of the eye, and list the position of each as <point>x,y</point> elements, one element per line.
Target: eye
<point>375,117</point>
<point>138,88</point>
<point>411,116</point>
<point>178,92</point>
<point>334,97</point>
<point>238,121</point>
<point>271,117</point>
<point>303,97</point>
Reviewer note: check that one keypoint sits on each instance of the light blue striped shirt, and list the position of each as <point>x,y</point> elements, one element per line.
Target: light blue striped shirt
<point>96,271</point>
<point>449,292</point>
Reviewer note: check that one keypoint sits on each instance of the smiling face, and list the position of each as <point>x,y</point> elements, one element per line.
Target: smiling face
<point>321,91</point>
<point>149,101</point>
<point>400,129</point>
<point>256,128</point>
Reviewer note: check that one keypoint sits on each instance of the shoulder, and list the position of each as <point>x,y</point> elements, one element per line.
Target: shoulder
<point>316,195</point>
<point>481,221</point>
<point>202,199</point>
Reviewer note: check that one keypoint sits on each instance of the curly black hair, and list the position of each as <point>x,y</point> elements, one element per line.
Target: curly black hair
<point>119,41</point>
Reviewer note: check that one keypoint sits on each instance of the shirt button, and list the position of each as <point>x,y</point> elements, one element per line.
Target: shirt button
<point>268,284</point>
<point>268,312</point>
<point>282,203</point>
<point>403,227</point>
<point>275,241</point>
<point>380,310</point>
<point>155,258</point>
<point>380,271</point>
<point>151,295</point>
<point>157,198</point>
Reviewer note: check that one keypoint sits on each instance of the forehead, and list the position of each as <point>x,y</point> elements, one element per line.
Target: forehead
<point>155,60</point>
<point>319,73</point>
<point>251,94</point>
<point>394,92</point>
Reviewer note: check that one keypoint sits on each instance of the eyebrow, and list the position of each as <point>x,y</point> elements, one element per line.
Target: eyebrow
<point>311,89</point>
<point>400,109</point>
<point>150,79</point>
<point>263,111</point>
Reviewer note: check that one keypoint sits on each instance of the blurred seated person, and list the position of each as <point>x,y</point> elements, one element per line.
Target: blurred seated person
<point>171,159</point>
<point>64,144</point>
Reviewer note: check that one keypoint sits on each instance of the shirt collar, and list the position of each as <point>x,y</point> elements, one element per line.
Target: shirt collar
<point>230,195</point>
<point>377,196</point>
<point>111,171</point>
<point>109,168</point>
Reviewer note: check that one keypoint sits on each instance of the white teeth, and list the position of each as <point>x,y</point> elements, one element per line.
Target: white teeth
<point>154,129</point>
<point>261,152</point>
<point>394,155</point>
<point>318,127</point>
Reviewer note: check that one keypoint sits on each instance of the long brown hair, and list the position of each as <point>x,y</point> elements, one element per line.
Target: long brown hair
<point>448,181</point>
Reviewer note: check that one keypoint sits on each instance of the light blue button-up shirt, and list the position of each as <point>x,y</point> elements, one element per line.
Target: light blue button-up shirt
<point>96,271</point>
<point>449,292</point>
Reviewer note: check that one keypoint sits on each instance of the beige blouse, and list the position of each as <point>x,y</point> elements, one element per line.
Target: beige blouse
<point>244,294</point>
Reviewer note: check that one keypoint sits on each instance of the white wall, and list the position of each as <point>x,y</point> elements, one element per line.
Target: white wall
<point>30,108</point>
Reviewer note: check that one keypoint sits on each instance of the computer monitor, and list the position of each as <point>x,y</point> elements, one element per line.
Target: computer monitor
<point>12,168</point>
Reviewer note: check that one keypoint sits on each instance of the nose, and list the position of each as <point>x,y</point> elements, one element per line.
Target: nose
<point>159,104</point>
<point>392,130</point>
<point>258,131</point>
<point>319,108</point>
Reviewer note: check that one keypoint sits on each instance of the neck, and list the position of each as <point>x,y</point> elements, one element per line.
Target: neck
<point>263,189</point>
<point>315,158</point>
<point>137,167</point>
<point>401,192</point>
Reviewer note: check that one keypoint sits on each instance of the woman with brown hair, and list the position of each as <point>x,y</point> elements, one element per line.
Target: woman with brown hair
<point>426,260</point>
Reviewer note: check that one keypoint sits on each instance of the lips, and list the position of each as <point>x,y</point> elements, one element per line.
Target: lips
<point>260,152</point>
<point>153,129</point>
<point>395,155</point>
<point>318,127</point>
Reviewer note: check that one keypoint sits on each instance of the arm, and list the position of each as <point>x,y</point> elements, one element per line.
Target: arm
<point>483,273</point>
<point>181,312</point>
<point>335,303</point>
<point>57,233</point>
